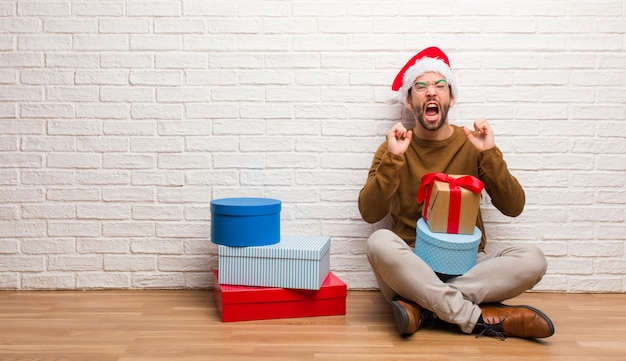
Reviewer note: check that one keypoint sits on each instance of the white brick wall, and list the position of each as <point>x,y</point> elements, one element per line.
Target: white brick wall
<point>121,120</point>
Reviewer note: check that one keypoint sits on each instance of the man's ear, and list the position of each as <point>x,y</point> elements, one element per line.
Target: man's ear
<point>407,103</point>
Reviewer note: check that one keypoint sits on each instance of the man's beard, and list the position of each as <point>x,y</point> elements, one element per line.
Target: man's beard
<point>418,112</point>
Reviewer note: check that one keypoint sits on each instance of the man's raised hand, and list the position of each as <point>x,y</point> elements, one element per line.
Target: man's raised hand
<point>484,140</point>
<point>398,139</point>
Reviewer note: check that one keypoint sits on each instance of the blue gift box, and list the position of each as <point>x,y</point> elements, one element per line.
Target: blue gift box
<point>242,222</point>
<point>447,253</point>
<point>301,262</point>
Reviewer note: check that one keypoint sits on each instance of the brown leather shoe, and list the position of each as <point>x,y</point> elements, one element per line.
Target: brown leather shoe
<point>517,321</point>
<point>408,315</point>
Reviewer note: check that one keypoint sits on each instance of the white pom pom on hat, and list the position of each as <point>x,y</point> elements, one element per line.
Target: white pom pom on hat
<point>427,60</point>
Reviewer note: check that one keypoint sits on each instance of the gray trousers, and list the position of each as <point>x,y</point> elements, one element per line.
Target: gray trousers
<point>497,276</point>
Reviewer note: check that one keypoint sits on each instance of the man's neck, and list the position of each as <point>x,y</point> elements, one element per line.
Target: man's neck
<point>442,133</point>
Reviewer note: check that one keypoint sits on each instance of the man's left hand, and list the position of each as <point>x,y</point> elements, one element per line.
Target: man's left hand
<point>484,139</point>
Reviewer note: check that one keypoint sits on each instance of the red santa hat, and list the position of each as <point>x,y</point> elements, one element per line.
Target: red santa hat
<point>429,59</point>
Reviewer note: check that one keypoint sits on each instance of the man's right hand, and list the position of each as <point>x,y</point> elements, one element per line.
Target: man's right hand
<point>398,139</point>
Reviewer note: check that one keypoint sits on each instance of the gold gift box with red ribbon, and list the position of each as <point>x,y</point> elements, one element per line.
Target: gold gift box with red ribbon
<point>450,202</point>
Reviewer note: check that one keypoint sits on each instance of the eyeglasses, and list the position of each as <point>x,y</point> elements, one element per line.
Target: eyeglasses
<point>440,86</point>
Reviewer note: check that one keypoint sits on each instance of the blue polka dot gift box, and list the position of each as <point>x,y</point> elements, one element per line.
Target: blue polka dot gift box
<point>243,222</point>
<point>447,253</point>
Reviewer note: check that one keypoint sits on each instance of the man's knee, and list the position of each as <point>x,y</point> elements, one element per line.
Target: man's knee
<point>383,244</point>
<point>533,264</point>
<point>374,242</point>
<point>376,239</point>
<point>539,261</point>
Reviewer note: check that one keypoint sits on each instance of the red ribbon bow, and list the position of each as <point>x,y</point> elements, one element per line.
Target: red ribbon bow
<point>468,182</point>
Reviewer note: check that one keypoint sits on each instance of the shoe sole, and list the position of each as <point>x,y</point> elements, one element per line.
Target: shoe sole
<point>399,313</point>
<point>545,317</point>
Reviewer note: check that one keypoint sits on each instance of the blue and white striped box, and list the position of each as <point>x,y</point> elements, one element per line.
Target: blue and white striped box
<point>301,262</point>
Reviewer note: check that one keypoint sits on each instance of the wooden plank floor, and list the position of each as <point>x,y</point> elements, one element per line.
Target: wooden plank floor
<point>184,325</point>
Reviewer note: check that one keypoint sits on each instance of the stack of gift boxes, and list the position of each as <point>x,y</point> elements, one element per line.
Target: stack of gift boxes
<point>263,274</point>
<point>447,238</point>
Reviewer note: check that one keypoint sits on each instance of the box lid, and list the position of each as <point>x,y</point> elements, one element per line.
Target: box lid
<point>333,287</point>
<point>289,247</point>
<point>448,240</point>
<point>245,206</point>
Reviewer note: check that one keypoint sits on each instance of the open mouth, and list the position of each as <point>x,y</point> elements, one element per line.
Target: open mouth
<point>432,109</point>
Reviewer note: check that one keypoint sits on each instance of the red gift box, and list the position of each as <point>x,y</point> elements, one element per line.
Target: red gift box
<point>245,303</point>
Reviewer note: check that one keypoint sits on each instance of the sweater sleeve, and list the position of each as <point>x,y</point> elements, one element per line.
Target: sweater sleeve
<point>507,195</point>
<point>382,183</point>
